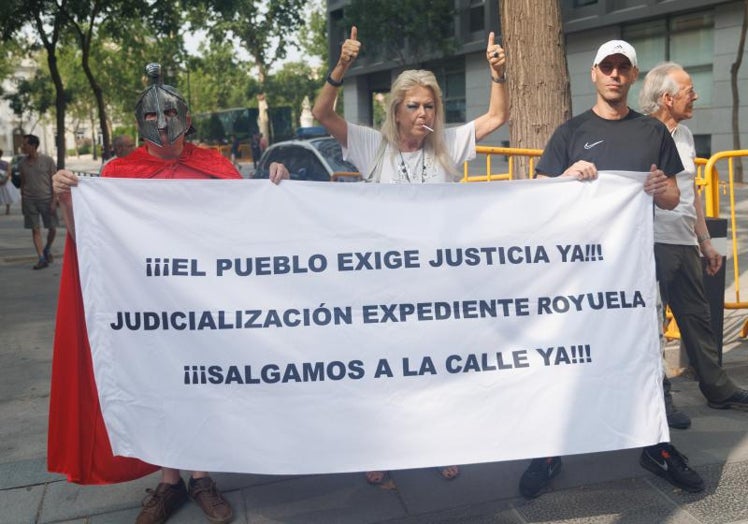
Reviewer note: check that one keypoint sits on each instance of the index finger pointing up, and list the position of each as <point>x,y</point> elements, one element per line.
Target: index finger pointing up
<point>354,33</point>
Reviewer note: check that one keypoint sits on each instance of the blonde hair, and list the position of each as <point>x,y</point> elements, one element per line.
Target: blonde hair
<point>434,142</point>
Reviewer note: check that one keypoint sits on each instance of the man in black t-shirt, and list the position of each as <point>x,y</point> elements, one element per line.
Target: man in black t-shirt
<point>611,136</point>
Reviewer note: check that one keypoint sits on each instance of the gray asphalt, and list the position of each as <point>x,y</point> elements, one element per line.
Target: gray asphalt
<point>595,488</point>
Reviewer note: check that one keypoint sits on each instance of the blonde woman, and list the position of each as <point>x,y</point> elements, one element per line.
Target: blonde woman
<point>414,146</point>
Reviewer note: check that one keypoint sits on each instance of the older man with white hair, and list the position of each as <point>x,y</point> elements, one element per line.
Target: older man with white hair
<point>681,234</point>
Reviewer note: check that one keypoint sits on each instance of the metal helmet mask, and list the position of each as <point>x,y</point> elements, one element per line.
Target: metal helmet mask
<point>161,107</point>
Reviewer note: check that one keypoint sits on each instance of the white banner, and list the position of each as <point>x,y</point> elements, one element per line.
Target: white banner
<point>314,328</point>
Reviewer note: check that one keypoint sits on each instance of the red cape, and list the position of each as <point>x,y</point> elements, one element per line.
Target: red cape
<point>78,444</point>
<point>141,164</point>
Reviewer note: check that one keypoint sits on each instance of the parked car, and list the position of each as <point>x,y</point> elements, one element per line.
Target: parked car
<point>15,171</point>
<point>319,159</point>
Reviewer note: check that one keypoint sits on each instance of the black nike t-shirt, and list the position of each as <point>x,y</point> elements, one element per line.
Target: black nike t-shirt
<point>633,143</point>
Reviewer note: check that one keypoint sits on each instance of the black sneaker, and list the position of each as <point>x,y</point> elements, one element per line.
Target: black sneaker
<point>665,461</point>
<point>738,400</point>
<point>538,475</point>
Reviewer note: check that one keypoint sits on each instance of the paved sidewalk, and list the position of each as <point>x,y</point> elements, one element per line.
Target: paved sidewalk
<point>595,488</point>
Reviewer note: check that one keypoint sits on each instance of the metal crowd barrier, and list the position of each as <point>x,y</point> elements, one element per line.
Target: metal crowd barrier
<point>713,209</point>
<point>513,158</point>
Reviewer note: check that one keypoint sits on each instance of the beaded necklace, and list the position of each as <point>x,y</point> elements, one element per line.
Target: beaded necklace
<point>405,169</point>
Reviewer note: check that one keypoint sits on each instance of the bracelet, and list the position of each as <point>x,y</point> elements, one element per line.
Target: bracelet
<point>703,238</point>
<point>499,80</point>
<point>332,82</point>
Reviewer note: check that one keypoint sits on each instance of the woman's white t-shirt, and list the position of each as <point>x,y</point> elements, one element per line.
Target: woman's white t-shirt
<point>411,167</point>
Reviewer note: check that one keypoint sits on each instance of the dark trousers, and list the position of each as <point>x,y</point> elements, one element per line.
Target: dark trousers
<point>681,279</point>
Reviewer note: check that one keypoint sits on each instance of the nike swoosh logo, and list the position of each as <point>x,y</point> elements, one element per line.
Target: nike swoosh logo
<point>590,146</point>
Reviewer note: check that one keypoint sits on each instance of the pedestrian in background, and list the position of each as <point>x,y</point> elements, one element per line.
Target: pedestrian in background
<point>234,148</point>
<point>8,192</point>
<point>123,145</point>
<point>37,198</point>
<point>256,151</point>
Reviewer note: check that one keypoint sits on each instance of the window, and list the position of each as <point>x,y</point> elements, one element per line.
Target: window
<point>685,39</point>
<point>619,5</point>
<point>477,16</point>
<point>331,151</point>
<point>302,164</point>
<point>454,97</point>
<point>451,78</point>
<point>579,8</point>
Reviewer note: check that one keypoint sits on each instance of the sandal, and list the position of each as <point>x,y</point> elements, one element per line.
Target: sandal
<point>448,472</point>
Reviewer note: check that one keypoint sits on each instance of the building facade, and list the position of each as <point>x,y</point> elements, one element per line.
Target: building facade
<point>12,128</point>
<point>702,35</point>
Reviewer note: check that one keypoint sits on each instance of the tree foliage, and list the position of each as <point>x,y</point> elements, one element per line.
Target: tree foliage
<point>217,79</point>
<point>10,55</point>
<point>88,20</point>
<point>91,55</point>
<point>412,31</point>
<point>48,25</point>
<point>291,84</point>
<point>313,35</point>
<point>263,27</point>
<point>32,96</point>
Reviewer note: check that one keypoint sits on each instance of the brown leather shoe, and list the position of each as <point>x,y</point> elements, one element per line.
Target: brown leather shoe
<point>216,508</point>
<point>161,503</point>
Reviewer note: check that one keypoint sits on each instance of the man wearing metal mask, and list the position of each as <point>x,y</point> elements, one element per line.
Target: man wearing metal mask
<point>78,445</point>
<point>161,107</point>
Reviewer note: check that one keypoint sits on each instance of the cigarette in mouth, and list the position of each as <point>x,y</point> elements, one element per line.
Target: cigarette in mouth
<point>427,128</point>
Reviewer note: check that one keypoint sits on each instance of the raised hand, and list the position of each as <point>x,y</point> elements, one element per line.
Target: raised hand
<point>350,49</point>
<point>495,55</point>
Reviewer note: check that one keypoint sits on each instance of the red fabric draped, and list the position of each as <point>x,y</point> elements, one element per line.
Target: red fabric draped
<point>78,445</point>
<point>141,164</point>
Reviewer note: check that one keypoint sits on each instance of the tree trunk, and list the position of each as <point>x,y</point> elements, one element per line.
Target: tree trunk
<point>92,123</point>
<point>59,106</point>
<point>538,78</point>
<point>101,106</point>
<point>85,39</point>
<point>50,45</point>
<point>734,68</point>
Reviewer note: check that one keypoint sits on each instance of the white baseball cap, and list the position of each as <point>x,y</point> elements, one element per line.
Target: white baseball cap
<point>615,47</point>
